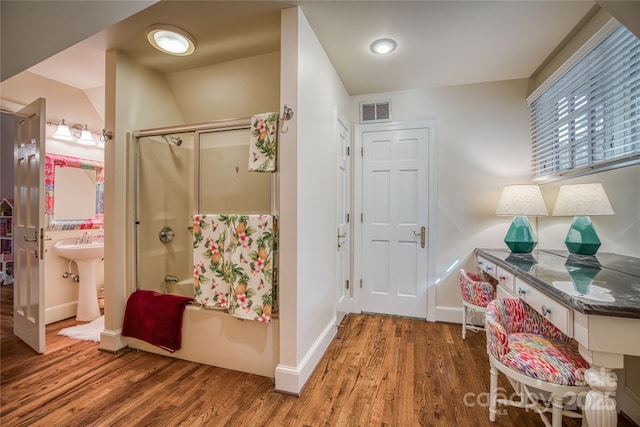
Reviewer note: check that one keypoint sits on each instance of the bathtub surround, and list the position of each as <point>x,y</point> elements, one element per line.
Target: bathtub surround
<point>263,142</point>
<point>155,318</point>
<point>234,264</point>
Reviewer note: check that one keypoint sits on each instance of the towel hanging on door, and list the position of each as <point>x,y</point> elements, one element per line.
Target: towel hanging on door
<point>263,142</point>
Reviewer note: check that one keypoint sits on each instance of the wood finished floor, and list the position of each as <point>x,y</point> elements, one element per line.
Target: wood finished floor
<point>379,371</point>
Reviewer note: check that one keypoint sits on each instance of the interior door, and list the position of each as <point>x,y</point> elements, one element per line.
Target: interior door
<point>343,219</point>
<point>395,216</point>
<point>28,223</point>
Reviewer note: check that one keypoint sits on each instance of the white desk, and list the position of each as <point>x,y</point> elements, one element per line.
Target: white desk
<point>593,299</point>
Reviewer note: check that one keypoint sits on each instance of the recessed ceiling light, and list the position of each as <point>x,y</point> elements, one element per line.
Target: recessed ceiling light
<point>383,46</point>
<point>171,39</point>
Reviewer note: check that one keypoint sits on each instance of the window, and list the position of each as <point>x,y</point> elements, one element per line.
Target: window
<point>588,118</point>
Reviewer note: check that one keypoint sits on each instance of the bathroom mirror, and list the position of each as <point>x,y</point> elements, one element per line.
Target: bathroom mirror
<point>74,193</point>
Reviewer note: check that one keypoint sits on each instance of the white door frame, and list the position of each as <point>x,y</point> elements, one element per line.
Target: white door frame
<point>432,172</point>
<point>345,304</point>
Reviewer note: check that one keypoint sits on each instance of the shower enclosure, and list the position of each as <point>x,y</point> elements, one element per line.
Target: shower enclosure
<point>182,171</point>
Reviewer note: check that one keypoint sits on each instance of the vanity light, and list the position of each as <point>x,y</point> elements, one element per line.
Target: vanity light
<point>85,137</point>
<point>171,39</point>
<point>383,46</point>
<point>62,132</point>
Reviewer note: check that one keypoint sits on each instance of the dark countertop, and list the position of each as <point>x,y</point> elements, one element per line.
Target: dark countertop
<point>605,284</point>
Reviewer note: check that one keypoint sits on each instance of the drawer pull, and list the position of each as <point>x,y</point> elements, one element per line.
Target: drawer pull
<point>503,278</point>
<point>545,310</point>
<point>521,292</point>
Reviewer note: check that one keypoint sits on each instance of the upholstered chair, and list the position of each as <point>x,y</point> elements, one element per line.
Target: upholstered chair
<point>476,294</point>
<point>542,365</point>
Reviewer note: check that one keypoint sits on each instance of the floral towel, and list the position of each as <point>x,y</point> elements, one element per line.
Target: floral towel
<point>234,264</point>
<point>251,255</point>
<point>262,144</point>
<point>210,242</point>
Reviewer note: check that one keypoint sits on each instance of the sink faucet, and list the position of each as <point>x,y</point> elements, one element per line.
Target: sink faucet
<point>86,237</point>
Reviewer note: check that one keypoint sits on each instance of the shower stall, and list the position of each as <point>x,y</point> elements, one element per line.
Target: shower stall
<point>182,171</point>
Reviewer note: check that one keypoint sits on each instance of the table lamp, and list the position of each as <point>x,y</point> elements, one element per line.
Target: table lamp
<point>580,201</point>
<point>522,201</point>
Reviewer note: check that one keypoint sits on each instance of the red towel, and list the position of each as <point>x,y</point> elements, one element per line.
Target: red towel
<point>155,318</point>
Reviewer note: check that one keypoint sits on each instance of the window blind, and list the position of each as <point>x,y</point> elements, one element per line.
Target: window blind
<point>589,118</point>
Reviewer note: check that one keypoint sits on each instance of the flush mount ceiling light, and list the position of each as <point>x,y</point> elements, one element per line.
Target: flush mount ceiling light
<point>383,46</point>
<point>171,39</point>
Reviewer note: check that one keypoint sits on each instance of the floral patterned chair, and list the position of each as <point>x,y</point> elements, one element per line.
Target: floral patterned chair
<point>537,358</point>
<point>476,294</point>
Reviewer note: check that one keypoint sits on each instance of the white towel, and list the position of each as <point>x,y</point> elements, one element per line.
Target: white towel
<point>263,142</point>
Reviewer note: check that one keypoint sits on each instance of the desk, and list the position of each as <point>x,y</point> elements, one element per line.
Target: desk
<point>593,299</point>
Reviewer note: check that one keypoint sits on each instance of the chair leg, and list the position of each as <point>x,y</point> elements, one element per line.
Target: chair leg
<point>493,393</point>
<point>556,417</point>
<point>464,322</point>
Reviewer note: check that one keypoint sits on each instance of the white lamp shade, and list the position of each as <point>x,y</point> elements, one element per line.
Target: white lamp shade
<point>582,200</point>
<point>86,138</point>
<point>63,133</point>
<point>521,199</point>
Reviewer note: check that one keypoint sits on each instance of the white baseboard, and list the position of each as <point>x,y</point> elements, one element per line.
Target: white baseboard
<point>60,312</point>
<point>112,341</point>
<point>448,314</point>
<point>291,379</point>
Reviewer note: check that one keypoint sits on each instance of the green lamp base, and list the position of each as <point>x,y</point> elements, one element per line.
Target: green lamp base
<point>582,238</point>
<point>520,237</point>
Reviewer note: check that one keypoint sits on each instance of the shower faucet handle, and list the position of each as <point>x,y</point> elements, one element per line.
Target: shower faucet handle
<point>166,234</point>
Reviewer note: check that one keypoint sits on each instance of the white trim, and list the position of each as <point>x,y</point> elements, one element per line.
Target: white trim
<point>357,243</point>
<point>291,379</point>
<point>112,341</point>
<point>599,36</point>
<point>448,314</point>
<point>60,312</point>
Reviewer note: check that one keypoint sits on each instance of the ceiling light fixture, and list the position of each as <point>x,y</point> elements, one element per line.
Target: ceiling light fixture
<point>171,39</point>
<point>383,46</point>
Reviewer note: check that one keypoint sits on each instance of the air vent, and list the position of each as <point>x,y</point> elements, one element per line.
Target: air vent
<point>376,111</point>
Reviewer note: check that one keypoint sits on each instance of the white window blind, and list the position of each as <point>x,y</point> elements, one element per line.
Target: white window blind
<point>589,118</point>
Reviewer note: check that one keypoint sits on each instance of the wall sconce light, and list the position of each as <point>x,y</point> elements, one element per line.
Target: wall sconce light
<point>171,39</point>
<point>82,133</point>
<point>521,200</point>
<point>579,201</point>
<point>85,137</point>
<point>62,132</point>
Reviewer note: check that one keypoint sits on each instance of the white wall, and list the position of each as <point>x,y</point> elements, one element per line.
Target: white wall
<point>136,98</point>
<point>483,144</point>
<point>311,86</point>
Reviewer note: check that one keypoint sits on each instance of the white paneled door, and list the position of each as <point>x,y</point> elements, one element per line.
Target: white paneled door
<point>28,226</point>
<point>343,207</point>
<point>394,221</point>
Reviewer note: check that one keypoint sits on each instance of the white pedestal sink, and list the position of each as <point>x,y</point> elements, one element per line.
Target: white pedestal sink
<point>86,256</point>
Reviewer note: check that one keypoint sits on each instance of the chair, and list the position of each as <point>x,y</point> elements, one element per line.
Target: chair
<point>536,357</point>
<point>476,294</point>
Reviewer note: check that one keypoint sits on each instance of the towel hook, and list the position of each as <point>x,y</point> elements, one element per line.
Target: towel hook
<point>287,114</point>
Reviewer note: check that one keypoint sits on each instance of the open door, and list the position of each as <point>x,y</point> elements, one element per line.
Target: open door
<point>28,223</point>
<point>343,205</point>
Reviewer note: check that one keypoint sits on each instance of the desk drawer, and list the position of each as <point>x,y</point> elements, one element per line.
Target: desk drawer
<point>487,266</point>
<point>555,312</point>
<point>506,279</point>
